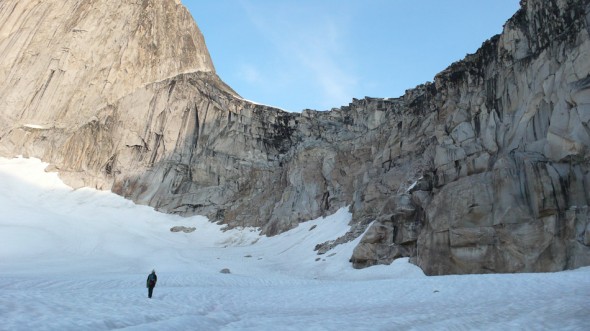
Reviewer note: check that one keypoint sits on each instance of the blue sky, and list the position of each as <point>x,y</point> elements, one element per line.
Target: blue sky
<point>297,54</point>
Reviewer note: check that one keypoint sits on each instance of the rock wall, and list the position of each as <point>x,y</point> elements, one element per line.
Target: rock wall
<point>507,183</point>
<point>64,60</point>
<point>484,170</point>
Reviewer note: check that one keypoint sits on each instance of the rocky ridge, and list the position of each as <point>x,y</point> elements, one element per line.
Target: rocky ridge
<point>484,170</point>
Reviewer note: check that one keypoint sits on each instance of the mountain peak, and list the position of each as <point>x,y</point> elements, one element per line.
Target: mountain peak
<point>90,53</point>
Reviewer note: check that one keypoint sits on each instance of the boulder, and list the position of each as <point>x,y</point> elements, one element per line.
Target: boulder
<point>184,229</point>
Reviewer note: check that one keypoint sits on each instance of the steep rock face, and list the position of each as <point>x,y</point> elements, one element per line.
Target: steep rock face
<point>484,170</point>
<point>64,60</point>
<point>506,189</point>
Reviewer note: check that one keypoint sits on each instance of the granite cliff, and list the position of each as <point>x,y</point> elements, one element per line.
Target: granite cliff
<point>486,169</point>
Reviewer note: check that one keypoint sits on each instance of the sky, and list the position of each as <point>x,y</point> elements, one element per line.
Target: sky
<point>79,259</point>
<point>300,54</point>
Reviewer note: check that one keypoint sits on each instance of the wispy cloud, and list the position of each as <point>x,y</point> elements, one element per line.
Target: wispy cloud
<point>314,48</point>
<point>250,73</point>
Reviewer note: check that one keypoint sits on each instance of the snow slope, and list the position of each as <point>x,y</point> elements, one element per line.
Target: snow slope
<point>78,260</point>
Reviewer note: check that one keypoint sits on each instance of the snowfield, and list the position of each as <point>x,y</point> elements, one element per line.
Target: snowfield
<point>78,260</point>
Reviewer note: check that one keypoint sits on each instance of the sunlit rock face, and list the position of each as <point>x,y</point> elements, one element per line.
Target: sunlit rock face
<point>505,139</point>
<point>484,170</point>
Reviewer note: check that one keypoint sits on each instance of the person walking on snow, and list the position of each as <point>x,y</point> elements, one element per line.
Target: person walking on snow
<point>152,279</point>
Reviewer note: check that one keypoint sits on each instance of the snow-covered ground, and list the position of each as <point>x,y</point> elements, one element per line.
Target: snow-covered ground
<point>78,260</point>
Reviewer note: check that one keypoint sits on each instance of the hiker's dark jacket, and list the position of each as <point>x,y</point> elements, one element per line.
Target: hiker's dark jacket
<point>151,280</point>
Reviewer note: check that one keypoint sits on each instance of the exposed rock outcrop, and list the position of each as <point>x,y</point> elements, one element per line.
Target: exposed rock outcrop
<point>64,60</point>
<point>507,137</point>
<point>185,229</point>
<point>484,170</point>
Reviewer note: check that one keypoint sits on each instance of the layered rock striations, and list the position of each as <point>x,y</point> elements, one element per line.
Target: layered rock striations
<point>64,60</point>
<point>484,170</point>
<point>506,142</point>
